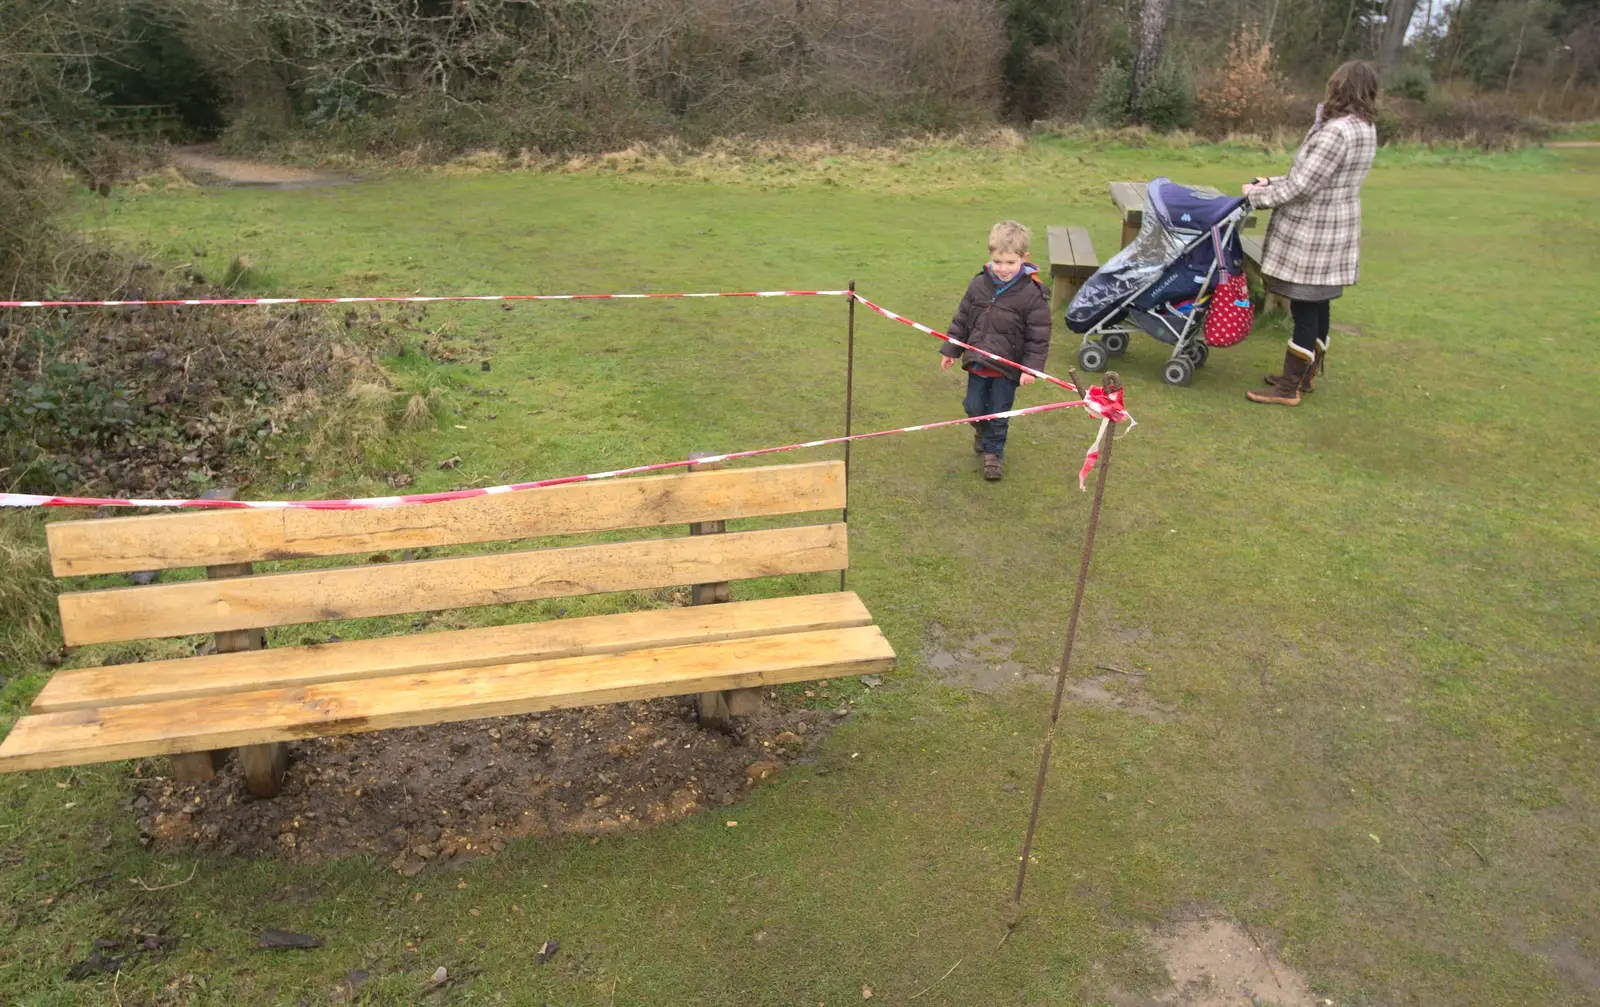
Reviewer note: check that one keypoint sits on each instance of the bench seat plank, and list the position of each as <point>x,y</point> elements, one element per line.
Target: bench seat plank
<point>250,671</point>
<point>80,737</point>
<point>212,606</point>
<point>208,538</point>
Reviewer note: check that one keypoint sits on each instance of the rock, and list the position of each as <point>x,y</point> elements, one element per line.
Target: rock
<point>601,801</point>
<point>94,965</point>
<point>1010,788</point>
<point>440,974</point>
<point>453,462</point>
<point>872,681</point>
<point>786,739</point>
<point>764,770</point>
<point>842,712</point>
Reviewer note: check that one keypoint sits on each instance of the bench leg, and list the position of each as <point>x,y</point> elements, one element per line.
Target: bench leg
<point>264,766</point>
<point>716,710</point>
<point>195,767</point>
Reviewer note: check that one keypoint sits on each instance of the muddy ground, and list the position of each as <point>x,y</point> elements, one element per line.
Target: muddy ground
<point>424,796</point>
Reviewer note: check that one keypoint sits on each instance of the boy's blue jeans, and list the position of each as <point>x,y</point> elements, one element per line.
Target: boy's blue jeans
<point>985,396</point>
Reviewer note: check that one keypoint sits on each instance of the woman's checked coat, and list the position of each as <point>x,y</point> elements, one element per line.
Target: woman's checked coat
<point>1314,236</point>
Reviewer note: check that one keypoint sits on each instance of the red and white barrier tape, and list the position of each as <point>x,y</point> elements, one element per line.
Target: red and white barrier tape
<point>1098,402</point>
<point>414,299</point>
<point>375,503</point>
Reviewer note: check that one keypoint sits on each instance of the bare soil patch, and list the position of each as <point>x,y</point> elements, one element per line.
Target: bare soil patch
<point>1214,962</point>
<point>431,795</point>
<point>213,168</point>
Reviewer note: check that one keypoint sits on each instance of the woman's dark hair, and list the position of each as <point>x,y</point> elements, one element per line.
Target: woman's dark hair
<point>1352,90</point>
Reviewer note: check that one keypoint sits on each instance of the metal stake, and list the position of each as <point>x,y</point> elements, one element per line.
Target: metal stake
<point>1113,382</point>
<point>849,408</point>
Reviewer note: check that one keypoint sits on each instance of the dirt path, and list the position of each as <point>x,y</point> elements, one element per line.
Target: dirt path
<point>215,168</point>
<point>1574,144</point>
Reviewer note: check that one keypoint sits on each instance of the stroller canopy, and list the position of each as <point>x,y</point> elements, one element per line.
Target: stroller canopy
<point>1184,208</point>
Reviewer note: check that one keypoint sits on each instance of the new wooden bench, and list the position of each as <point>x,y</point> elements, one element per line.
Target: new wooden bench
<point>255,699</point>
<point>1252,267</point>
<point>1072,261</point>
<point>1128,198</point>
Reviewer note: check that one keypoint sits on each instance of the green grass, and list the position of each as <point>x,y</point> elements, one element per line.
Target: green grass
<point>1374,614</point>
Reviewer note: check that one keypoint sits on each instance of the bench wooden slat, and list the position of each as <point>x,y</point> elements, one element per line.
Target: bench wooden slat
<point>181,609</point>
<point>208,538</point>
<point>81,737</point>
<point>193,677</point>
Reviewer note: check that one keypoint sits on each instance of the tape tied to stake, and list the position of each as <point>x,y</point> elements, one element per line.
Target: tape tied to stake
<point>379,503</point>
<point>411,299</point>
<point>1098,402</point>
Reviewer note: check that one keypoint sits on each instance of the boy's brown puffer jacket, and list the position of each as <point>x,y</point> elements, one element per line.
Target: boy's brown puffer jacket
<point>1015,325</point>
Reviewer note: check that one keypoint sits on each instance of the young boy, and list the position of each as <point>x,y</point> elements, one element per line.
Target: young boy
<point>1005,311</point>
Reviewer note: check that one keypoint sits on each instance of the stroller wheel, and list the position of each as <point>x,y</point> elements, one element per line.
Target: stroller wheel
<point>1092,357</point>
<point>1177,371</point>
<point>1197,352</point>
<point>1116,343</point>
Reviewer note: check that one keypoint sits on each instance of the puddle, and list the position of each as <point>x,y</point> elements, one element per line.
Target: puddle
<point>1118,690</point>
<point>1214,962</point>
<point>982,663</point>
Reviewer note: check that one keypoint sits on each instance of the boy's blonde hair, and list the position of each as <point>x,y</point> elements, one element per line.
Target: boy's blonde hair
<point>1009,236</point>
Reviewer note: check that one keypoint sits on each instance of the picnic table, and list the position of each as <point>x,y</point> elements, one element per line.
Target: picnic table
<point>1128,197</point>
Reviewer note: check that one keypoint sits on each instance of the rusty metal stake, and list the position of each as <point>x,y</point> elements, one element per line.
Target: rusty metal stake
<point>849,408</point>
<point>1113,382</point>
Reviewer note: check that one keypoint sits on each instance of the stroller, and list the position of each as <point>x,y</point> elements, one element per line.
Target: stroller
<point>1163,281</point>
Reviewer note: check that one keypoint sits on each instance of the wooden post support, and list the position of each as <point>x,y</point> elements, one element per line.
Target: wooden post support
<point>716,709</point>
<point>264,765</point>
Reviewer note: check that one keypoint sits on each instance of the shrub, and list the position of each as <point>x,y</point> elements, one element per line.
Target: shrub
<point>1245,92</point>
<point>1110,104</point>
<point>1411,82</point>
<point>1168,102</point>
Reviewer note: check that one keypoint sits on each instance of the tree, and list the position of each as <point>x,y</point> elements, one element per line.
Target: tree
<point>1398,15</point>
<point>1152,36</point>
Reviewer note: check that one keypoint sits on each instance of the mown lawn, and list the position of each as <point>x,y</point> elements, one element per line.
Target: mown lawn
<point>1373,616</point>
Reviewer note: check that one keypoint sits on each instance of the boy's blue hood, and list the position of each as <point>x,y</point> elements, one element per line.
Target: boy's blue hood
<point>1028,269</point>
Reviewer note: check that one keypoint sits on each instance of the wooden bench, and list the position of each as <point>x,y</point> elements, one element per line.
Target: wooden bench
<point>1252,267</point>
<point>1072,261</point>
<point>1128,198</point>
<point>256,699</point>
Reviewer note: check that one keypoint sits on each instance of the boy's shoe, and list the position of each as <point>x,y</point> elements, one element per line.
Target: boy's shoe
<point>991,467</point>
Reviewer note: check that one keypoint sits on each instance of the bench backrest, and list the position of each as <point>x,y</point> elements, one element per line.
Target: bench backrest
<point>365,589</point>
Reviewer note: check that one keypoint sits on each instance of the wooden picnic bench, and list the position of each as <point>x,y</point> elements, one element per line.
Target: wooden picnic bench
<point>255,699</point>
<point>1128,197</point>
<point>1252,267</point>
<point>1072,261</point>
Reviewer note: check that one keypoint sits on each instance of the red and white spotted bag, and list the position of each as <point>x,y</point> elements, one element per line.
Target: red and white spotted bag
<point>1231,315</point>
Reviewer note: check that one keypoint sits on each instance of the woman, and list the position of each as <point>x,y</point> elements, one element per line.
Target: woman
<point>1313,241</point>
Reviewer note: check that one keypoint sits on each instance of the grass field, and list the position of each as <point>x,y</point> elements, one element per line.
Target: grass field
<point>1373,616</point>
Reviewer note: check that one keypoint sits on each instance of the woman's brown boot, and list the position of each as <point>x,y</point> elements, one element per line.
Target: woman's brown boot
<point>1284,389</point>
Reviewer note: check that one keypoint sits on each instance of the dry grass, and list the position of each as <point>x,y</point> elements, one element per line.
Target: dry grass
<point>27,591</point>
